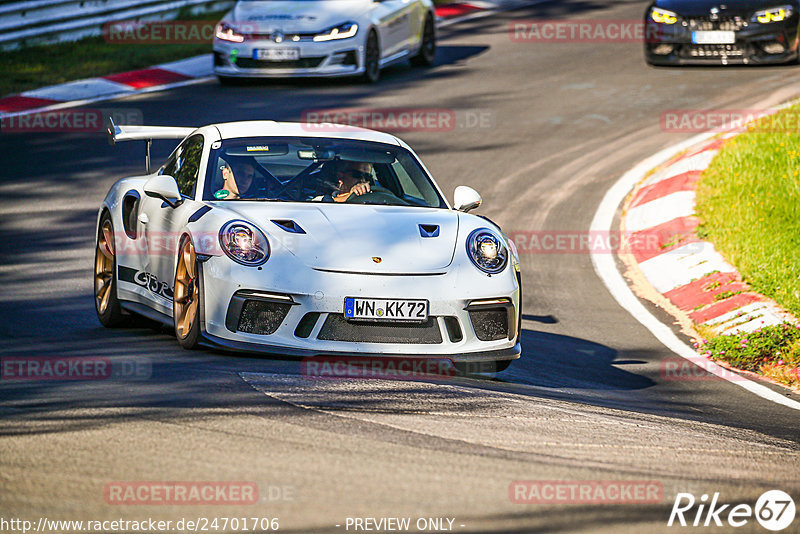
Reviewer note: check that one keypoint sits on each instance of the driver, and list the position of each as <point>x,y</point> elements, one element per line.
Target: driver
<point>354,178</point>
<point>238,180</point>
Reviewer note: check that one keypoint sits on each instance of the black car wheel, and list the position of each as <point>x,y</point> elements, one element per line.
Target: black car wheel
<point>427,50</point>
<point>372,56</point>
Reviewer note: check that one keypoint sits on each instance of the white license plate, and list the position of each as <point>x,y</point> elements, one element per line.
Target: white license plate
<point>276,54</point>
<point>713,37</point>
<point>385,309</point>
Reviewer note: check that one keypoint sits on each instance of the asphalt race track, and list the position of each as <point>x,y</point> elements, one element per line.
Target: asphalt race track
<point>561,122</point>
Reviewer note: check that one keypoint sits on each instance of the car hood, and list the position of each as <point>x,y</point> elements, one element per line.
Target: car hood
<point>296,15</point>
<point>741,8</point>
<point>349,237</point>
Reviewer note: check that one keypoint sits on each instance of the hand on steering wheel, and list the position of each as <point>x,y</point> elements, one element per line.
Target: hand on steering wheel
<point>359,189</point>
<point>376,197</point>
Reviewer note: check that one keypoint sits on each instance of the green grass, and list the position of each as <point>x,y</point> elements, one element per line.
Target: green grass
<point>39,66</point>
<point>748,201</point>
<point>772,351</point>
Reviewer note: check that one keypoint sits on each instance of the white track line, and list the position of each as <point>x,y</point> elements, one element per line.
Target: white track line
<point>607,271</point>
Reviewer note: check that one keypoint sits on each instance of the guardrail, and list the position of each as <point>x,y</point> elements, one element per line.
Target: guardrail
<point>32,22</point>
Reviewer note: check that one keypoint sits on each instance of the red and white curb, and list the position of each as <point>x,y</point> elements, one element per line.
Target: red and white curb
<point>80,92</point>
<point>606,268</point>
<point>184,72</point>
<point>687,271</point>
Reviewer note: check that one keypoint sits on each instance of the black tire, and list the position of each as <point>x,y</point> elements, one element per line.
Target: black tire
<point>427,50</point>
<point>190,338</point>
<point>109,312</point>
<point>372,59</point>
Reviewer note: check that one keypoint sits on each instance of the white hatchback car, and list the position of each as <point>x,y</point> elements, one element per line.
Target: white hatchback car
<point>286,38</point>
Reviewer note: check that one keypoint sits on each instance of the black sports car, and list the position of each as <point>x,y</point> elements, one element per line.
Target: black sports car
<point>682,32</point>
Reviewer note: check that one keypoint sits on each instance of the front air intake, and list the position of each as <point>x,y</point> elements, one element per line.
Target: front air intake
<point>337,328</point>
<point>261,317</point>
<point>255,312</point>
<point>492,319</point>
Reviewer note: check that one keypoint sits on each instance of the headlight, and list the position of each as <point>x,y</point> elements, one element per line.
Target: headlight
<point>487,251</point>
<point>342,31</point>
<point>244,243</point>
<point>662,16</point>
<point>226,32</point>
<point>773,14</point>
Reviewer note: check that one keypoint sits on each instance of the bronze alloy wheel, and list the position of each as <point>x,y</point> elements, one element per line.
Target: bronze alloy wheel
<point>105,284</point>
<point>186,304</point>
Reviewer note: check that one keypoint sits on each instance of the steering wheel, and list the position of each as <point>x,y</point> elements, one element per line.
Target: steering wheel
<point>376,197</point>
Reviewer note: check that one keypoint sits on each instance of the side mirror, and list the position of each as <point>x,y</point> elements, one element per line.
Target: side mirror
<point>164,187</point>
<point>465,198</point>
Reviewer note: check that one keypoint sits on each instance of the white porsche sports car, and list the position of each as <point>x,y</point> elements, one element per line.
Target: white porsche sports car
<point>282,38</point>
<point>306,240</point>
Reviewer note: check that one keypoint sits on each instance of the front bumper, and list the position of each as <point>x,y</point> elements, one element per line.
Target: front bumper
<point>756,44</point>
<point>306,319</point>
<point>335,58</point>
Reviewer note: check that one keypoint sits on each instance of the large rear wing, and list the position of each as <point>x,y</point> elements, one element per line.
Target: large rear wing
<point>117,133</point>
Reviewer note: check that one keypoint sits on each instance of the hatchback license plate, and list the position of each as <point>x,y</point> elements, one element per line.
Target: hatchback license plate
<point>277,54</point>
<point>386,309</point>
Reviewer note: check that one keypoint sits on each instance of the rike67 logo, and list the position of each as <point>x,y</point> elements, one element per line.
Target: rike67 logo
<point>774,510</point>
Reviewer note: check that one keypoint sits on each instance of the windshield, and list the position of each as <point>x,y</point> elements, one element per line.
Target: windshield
<point>317,170</point>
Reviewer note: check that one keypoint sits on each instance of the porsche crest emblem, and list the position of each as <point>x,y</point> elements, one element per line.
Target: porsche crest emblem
<point>376,259</point>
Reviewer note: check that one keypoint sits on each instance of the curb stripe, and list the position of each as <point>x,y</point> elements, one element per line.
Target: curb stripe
<point>682,182</point>
<point>697,293</point>
<point>680,231</point>
<point>139,79</point>
<point>20,103</point>
<point>81,89</point>
<point>682,265</point>
<point>660,211</point>
<point>725,306</point>
<point>457,9</point>
<point>696,162</point>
